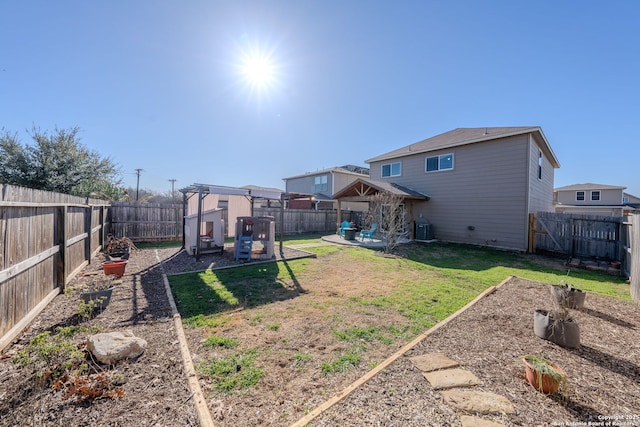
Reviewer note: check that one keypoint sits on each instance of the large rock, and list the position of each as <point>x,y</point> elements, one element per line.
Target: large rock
<point>110,347</point>
<point>482,402</point>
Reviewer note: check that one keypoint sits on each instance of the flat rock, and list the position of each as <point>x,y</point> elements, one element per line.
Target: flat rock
<point>449,378</point>
<point>433,361</point>
<point>482,402</point>
<point>469,421</point>
<point>110,347</point>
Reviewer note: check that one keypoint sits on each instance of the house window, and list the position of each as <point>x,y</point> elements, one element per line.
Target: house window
<point>625,199</point>
<point>439,163</point>
<point>320,184</point>
<point>391,169</point>
<point>540,165</point>
<point>580,196</point>
<point>595,196</point>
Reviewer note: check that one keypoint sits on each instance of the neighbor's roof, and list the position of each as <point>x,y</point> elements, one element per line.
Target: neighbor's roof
<point>588,186</point>
<point>362,187</point>
<point>347,169</point>
<point>464,136</point>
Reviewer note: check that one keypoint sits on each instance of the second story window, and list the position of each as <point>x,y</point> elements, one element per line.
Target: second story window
<point>595,196</point>
<point>320,184</point>
<point>579,196</point>
<point>439,163</point>
<point>391,169</point>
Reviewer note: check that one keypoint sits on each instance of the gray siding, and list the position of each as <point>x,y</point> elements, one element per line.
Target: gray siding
<point>607,197</point>
<point>540,190</point>
<point>486,190</point>
<point>306,184</point>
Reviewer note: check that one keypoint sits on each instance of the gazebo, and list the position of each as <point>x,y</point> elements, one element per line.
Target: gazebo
<point>362,189</point>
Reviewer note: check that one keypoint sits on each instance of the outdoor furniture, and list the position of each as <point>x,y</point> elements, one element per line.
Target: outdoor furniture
<point>345,224</point>
<point>368,234</point>
<point>349,233</point>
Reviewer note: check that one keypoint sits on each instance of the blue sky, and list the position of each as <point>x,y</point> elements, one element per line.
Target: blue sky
<point>158,84</point>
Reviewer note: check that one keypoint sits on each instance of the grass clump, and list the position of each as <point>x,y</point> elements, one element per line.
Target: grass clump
<point>233,373</point>
<point>218,341</point>
<point>343,363</point>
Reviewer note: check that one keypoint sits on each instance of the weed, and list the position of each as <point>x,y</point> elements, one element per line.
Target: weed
<point>368,334</point>
<point>341,364</point>
<point>218,341</point>
<point>273,326</point>
<point>233,373</point>
<point>300,359</point>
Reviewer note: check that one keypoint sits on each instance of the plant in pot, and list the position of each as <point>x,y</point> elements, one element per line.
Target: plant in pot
<point>557,325</point>
<point>118,248</point>
<point>543,375</point>
<point>566,295</point>
<point>96,296</point>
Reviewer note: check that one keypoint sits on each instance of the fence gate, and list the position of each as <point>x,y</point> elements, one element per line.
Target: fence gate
<point>577,235</point>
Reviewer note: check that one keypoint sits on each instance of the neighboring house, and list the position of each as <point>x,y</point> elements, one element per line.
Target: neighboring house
<point>595,199</point>
<point>323,184</point>
<point>478,185</point>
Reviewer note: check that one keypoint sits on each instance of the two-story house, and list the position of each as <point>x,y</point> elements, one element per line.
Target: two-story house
<point>595,199</point>
<point>322,184</point>
<point>478,185</point>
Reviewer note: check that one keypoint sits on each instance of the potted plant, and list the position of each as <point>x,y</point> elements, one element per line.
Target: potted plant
<point>543,375</point>
<point>118,248</point>
<point>98,294</point>
<point>114,268</point>
<point>568,296</point>
<point>557,326</point>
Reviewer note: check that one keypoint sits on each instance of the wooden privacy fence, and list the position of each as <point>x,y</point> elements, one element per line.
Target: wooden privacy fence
<point>148,222</point>
<point>45,239</point>
<point>302,221</point>
<point>577,235</point>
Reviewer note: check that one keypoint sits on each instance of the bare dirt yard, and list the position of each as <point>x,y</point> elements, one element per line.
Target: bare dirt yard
<point>298,354</point>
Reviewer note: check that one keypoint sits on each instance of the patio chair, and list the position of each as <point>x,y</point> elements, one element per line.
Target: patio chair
<point>368,234</point>
<point>345,224</point>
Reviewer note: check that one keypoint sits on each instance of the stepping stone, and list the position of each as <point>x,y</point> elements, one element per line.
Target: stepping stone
<point>433,361</point>
<point>449,378</point>
<point>469,421</point>
<point>482,402</point>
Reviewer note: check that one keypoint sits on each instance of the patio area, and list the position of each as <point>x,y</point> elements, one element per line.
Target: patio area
<point>368,243</point>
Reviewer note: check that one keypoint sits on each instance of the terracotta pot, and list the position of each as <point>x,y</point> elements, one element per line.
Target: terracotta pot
<point>114,268</point>
<point>543,382</point>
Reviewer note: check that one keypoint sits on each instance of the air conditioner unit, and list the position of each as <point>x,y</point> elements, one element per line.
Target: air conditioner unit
<point>424,231</point>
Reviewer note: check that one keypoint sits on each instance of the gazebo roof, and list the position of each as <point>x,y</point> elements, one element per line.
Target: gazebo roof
<point>362,188</point>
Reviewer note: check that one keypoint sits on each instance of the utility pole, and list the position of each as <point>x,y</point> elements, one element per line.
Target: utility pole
<point>173,197</point>
<point>138,183</point>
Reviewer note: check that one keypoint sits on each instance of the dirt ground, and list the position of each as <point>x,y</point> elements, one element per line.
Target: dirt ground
<point>488,339</point>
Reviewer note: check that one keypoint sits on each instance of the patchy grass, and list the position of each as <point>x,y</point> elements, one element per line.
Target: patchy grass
<point>233,373</point>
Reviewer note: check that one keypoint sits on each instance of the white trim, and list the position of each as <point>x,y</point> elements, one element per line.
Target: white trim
<point>584,196</point>
<point>592,193</point>
<point>391,175</point>
<point>439,157</point>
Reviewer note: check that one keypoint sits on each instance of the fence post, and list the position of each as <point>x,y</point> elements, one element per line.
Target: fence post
<point>532,233</point>
<point>635,258</point>
<point>61,269</point>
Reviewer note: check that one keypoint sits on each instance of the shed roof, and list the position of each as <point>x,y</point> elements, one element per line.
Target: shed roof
<point>464,136</point>
<point>347,169</point>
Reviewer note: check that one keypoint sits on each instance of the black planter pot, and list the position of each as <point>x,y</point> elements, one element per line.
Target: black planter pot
<point>566,296</point>
<point>102,298</point>
<point>565,333</point>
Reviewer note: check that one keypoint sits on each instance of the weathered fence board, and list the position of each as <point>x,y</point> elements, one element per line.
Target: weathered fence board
<point>146,222</point>
<point>304,221</point>
<point>579,235</point>
<point>45,238</point>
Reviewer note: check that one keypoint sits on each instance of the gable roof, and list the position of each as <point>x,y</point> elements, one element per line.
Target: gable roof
<point>346,169</point>
<point>464,136</point>
<point>588,186</point>
<point>361,188</point>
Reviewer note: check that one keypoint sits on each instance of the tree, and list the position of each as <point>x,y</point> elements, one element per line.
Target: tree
<point>58,162</point>
<point>387,210</point>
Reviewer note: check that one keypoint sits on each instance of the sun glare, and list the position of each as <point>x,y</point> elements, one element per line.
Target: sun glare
<point>259,71</point>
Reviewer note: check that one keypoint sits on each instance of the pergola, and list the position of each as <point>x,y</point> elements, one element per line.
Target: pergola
<point>252,194</point>
<point>362,189</point>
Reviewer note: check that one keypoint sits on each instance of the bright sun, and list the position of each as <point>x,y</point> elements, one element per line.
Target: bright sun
<point>259,71</point>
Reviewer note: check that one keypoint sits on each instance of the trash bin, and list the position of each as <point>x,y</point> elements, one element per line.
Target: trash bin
<point>349,234</point>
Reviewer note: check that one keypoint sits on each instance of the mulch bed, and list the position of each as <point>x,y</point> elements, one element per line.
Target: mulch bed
<point>488,339</point>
